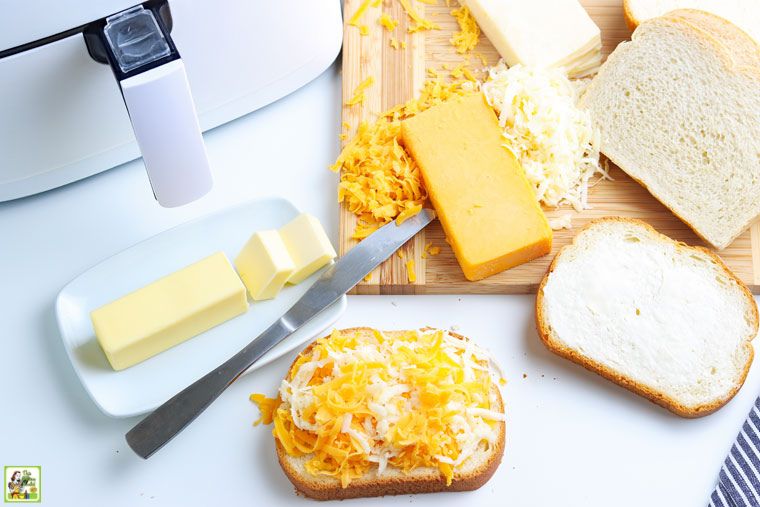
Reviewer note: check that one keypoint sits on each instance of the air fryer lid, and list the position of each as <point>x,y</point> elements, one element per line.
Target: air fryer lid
<point>28,22</point>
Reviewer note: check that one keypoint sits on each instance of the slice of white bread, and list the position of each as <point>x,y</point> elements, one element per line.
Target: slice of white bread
<point>678,109</point>
<point>665,320</point>
<point>472,474</point>
<point>743,13</point>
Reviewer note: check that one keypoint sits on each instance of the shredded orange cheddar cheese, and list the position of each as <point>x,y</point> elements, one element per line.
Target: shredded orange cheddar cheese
<point>359,95</point>
<point>354,20</point>
<point>419,23</point>
<point>432,250</point>
<point>378,179</point>
<point>461,71</point>
<point>388,22</point>
<point>467,37</point>
<point>411,275</point>
<point>394,43</point>
<point>408,213</point>
<point>482,58</point>
<point>358,401</point>
<point>267,406</point>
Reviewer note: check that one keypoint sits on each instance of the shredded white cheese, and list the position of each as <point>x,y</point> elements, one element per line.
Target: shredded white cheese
<point>561,222</point>
<point>552,138</point>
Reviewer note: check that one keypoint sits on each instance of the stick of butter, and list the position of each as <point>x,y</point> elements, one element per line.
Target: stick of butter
<point>169,311</point>
<point>542,33</point>
<point>485,203</point>
<point>308,245</point>
<point>264,265</point>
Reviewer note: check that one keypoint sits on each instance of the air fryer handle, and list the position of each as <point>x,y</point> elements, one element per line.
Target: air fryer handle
<point>162,113</point>
<point>137,45</point>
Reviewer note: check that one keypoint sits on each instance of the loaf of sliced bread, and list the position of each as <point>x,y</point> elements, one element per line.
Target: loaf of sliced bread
<point>678,109</point>
<point>665,320</point>
<point>743,13</point>
<point>469,475</point>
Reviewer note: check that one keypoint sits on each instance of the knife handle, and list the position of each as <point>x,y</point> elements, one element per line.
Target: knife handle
<point>161,425</point>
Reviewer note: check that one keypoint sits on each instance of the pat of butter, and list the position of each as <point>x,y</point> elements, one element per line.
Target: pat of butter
<point>541,33</point>
<point>264,265</point>
<point>485,203</point>
<point>308,245</point>
<point>169,311</point>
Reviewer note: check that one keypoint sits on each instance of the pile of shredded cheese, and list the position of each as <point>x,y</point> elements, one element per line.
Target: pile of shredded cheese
<point>467,37</point>
<point>379,181</point>
<point>358,400</point>
<point>552,138</point>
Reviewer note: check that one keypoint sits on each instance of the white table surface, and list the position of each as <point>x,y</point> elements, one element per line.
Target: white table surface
<point>572,437</point>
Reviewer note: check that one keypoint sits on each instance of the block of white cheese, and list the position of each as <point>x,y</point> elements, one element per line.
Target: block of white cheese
<point>541,33</point>
<point>169,311</point>
<point>264,265</point>
<point>308,245</point>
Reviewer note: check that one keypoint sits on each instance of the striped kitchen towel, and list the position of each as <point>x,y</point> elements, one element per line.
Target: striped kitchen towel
<point>739,478</point>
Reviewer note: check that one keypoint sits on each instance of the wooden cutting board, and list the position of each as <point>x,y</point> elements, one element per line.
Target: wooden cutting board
<point>399,74</point>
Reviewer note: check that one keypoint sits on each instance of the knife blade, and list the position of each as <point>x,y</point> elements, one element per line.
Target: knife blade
<point>164,423</point>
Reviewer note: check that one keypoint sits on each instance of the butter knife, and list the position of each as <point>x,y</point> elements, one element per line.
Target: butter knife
<point>161,425</point>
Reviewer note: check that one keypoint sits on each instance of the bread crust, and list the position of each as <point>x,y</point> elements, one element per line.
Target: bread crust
<point>630,19</point>
<point>657,397</point>
<point>429,480</point>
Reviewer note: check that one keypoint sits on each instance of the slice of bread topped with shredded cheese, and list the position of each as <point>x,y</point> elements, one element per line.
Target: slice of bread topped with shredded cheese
<point>665,320</point>
<point>368,413</point>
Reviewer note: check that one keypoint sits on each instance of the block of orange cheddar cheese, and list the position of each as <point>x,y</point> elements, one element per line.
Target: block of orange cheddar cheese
<point>485,203</point>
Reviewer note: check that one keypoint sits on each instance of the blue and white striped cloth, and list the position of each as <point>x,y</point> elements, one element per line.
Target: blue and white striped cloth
<point>739,478</point>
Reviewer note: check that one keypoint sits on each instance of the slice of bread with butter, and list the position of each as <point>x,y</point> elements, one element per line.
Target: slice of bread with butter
<point>665,320</point>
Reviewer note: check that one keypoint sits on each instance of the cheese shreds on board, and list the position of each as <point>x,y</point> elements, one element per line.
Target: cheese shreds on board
<point>358,95</point>
<point>361,400</point>
<point>354,19</point>
<point>553,139</point>
<point>467,37</point>
<point>388,22</point>
<point>420,23</point>
<point>411,275</point>
<point>461,71</point>
<point>378,179</point>
<point>564,221</point>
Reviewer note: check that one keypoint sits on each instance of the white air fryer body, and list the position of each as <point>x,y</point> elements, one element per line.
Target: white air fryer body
<point>63,116</point>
